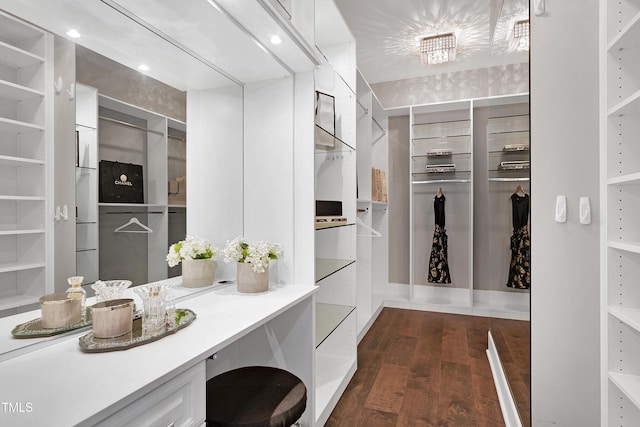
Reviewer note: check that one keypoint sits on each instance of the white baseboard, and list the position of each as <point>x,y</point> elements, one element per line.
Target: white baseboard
<point>499,304</point>
<point>372,319</point>
<point>507,404</point>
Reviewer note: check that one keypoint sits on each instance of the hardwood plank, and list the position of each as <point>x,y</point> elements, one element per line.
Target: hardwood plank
<point>454,339</point>
<point>370,418</point>
<point>486,401</point>
<point>425,366</point>
<point>388,390</point>
<point>455,403</point>
<point>419,409</point>
<point>401,350</point>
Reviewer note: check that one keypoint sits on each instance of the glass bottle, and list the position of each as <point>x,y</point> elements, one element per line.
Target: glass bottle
<point>153,306</point>
<point>77,291</point>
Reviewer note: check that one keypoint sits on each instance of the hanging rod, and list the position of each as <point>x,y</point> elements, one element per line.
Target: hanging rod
<point>134,212</point>
<point>131,125</point>
<point>437,181</point>
<point>177,138</point>
<point>508,179</point>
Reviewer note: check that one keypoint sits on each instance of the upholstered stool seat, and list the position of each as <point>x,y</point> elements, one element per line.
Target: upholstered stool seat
<point>255,396</point>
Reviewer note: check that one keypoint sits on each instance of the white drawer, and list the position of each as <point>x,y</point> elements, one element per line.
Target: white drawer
<point>180,402</point>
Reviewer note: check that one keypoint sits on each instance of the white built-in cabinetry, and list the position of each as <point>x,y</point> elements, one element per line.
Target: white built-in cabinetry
<point>372,229</point>
<point>26,158</point>
<point>620,196</point>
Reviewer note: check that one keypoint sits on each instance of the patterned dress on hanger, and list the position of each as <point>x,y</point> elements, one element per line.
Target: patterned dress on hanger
<point>519,275</point>
<point>438,264</point>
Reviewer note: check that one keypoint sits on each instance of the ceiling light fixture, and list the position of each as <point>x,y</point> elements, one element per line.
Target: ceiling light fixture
<point>520,36</point>
<point>143,67</point>
<point>275,40</point>
<point>438,49</point>
<point>73,33</point>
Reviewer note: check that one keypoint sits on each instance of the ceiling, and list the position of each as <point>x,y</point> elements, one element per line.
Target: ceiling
<point>386,33</point>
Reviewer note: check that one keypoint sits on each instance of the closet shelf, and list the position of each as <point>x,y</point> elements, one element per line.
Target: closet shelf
<point>629,105</point>
<point>627,384</point>
<point>15,57</point>
<point>629,247</point>
<point>440,156</point>
<point>514,179</point>
<point>379,205</point>
<point>6,267</point>
<point>628,316</point>
<point>20,232</point>
<point>442,181</point>
<point>22,198</point>
<point>328,318</point>
<point>19,161</point>
<point>632,178</point>
<point>16,301</point>
<point>15,92</point>
<point>85,249</point>
<point>628,37</point>
<point>326,267</point>
<point>17,126</point>
<point>329,143</point>
<point>132,205</point>
<point>326,226</point>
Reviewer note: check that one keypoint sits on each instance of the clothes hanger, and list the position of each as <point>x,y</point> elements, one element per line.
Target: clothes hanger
<point>374,233</point>
<point>439,193</point>
<point>520,191</point>
<point>133,220</point>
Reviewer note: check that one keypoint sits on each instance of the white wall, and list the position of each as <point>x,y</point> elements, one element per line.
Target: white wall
<point>564,257</point>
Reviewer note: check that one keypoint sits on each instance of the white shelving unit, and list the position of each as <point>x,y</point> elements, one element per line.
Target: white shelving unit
<point>86,213</point>
<point>620,191</point>
<point>440,135</point>
<point>335,180</point>
<point>372,235</point>
<point>26,153</point>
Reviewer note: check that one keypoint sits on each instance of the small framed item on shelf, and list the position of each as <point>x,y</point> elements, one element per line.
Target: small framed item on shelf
<point>121,182</point>
<point>325,117</point>
<point>443,168</point>
<point>330,221</point>
<point>329,213</point>
<point>439,152</point>
<point>516,147</point>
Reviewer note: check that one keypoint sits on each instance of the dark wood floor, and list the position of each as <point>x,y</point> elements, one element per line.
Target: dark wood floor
<point>422,369</point>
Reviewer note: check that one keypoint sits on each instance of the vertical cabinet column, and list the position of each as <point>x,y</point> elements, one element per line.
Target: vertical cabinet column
<point>620,193</point>
<point>26,158</point>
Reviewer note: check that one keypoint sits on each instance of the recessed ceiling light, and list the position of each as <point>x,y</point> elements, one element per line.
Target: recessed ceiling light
<point>519,36</point>
<point>438,49</point>
<point>275,40</point>
<point>143,67</point>
<point>73,33</point>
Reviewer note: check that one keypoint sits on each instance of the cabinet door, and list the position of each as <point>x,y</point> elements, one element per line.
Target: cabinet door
<point>180,402</point>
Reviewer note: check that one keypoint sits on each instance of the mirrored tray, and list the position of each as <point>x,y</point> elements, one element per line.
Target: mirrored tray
<point>33,328</point>
<point>182,318</point>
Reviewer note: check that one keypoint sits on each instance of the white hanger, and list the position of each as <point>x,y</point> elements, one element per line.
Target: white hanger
<point>374,233</point>
<point>135,221</point>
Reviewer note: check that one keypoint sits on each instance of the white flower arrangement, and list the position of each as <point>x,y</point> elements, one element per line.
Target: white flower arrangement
<point>257,254</point>
<point>191,248</point>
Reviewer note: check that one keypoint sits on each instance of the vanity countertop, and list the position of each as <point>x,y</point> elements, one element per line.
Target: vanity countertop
<point>58,384</point>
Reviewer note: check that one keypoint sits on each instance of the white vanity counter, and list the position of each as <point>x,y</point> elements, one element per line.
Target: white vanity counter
<point>60,385</point>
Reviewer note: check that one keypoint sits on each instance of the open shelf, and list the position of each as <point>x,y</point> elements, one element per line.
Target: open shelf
<point>15,57</point>
<point>17,92</point>
<point>6,267</point>
<point>632,178</point>
<point>326,267</point>
<point>628,37</point>
<point>325,226</point>
<point>325,142</point>
<point>16,232</point>
<point>16,301</point>
<point>628,316</point>
<point>328,318</point>
<point>625,246</point>
<point>629,385</point>
<point>17,126</point>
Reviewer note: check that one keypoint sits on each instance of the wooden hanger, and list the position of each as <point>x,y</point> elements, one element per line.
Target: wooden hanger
<point>520,191</point>
<point>440,192</point>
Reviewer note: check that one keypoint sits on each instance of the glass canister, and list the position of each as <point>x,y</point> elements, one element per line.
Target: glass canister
<point>110,289</point>
<point>76,291</point>
<point>154,307</point>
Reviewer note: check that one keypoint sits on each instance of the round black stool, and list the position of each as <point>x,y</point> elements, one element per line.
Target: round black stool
<point>255,396</point>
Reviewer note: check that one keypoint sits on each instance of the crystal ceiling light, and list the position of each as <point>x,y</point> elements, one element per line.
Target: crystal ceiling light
<point>438,49</point>
<point>520,39</point>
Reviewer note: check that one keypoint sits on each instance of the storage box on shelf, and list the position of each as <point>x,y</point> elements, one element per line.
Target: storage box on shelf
<point>442,158</point>
<point>620,191</point>
<point>26,158</point>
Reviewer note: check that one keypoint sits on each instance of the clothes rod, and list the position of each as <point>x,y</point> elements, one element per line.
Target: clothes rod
<point>177,138</point>
<point>134,212</point>
<point>509,179</point>
<point>384,132</point>
<point>438,181</point>
<point>131,125</point>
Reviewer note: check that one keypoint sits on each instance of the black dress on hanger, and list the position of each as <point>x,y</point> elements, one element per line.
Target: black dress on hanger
<point>438,264</point>
<point>519,275</point>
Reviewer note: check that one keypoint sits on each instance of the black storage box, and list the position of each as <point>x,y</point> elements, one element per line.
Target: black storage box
<point>120,182</point>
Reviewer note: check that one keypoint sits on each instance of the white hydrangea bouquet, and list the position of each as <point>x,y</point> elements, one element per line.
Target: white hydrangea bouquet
<point>191,248</point>
<point>257,254</point>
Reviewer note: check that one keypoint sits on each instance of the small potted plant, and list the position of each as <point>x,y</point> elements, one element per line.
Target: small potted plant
<point>252,262</point>
<point>198,257</point>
